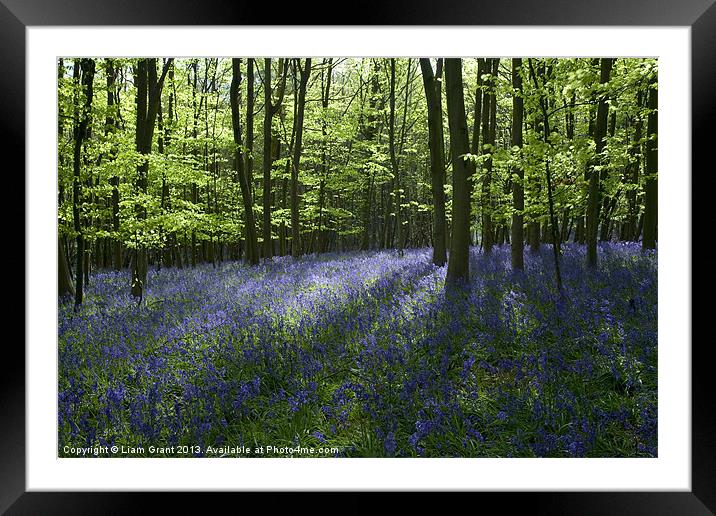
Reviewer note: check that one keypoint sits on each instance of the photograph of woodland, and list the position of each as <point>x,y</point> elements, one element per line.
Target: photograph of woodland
<point>357,257</point>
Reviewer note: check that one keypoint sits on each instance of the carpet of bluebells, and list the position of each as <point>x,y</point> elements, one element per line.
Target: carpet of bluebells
<point>368,353</point>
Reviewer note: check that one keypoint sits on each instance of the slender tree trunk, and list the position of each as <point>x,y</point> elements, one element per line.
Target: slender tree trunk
<point>252,255</point>
<point>608,202</point>
<point>325,99</point>
<point>593,199</point>
<point>368,132</point>
<point>267,161</point>
<point>321,200</point>
<point>564,231</point>
<point>167,139</point>
<point>542,86</point>
<point>403,190</point>
<point>193,79</point>
<point>544,106</point>
<point>632,178</point>
<point>297,149</point>
<point>270,109</point>
<point>432,83</point>
<point>284,188</point>
<point>482,66</point>
<point>84,75</point>
<point>518,194</point>
<point>478,121</point>
<point>250,100</point>
<point>164,252</point>
<point>141,82</point>
<point>484,213</point>
<point>393,159</point>
<point>111,128</point>
<point>569,123</point>
<point>64,276</point>
<point>489,116</point>
<point>581,232</point>
<point>652,164</point>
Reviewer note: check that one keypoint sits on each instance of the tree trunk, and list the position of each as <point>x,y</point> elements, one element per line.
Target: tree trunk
<point>489,116</point>
<point>111,127</point>
<point>252,255</point>
<point>542,86</point>
<point>297,149</point>
<point>593,199</point>
<point>64,280</point>
<point>270,109</point>
<point>458,264</point>
<point>478,120</point>
<point>432,83</point>
<point>652,164</point>
<point>608,201</point>
<point>85,68</point>
<point>579,236</point>
<point>632,178</point>
<point>393,159</point>
<point>250,100</point>
<point>267,161</point>
<point>149,90</point>
<point>518,193</point>
<point>325,98</point>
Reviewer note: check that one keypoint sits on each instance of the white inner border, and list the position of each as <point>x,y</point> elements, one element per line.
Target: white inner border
<point>670,471</point>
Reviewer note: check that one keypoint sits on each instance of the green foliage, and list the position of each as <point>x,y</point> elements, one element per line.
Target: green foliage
<point>191,185</point>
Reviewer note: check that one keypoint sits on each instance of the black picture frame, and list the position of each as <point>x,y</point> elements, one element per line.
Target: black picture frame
<point>16,15</point>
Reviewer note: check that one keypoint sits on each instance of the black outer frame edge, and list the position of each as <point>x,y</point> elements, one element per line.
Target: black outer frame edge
<point>510,12</point>
<point>553,504</point>
<point>12,143</point>
<point>371,12</point>
<point>703,112</point>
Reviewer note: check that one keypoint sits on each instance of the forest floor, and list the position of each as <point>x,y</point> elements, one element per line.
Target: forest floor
<point>366,354</point>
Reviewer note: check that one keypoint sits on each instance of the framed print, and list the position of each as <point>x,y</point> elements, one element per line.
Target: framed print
<point>255,292</point>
